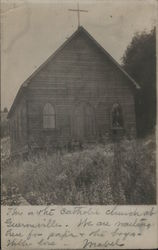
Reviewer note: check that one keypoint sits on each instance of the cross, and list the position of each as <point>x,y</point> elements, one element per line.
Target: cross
<point>78,10</point>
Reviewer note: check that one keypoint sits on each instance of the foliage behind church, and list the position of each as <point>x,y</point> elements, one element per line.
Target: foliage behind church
<point>139,61</point>
<point>4,124</point>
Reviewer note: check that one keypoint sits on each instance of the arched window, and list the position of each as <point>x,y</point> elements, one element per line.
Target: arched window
<point>117,118</point>
<point>48,116</point>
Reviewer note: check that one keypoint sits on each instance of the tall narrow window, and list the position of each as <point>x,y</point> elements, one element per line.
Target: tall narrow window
<point>48,116</point>
<point>117,118</point>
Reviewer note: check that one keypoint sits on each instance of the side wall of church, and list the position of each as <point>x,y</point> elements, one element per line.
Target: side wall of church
<point>18,128</point>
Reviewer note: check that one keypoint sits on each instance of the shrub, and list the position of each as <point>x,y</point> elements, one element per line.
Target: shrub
<point>117,173</point>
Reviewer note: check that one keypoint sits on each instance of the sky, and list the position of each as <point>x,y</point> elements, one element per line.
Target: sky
<point>31,30</point>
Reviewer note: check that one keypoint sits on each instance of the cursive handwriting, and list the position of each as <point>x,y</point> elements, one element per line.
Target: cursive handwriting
<point>89,227</point>
<point>91,244</point>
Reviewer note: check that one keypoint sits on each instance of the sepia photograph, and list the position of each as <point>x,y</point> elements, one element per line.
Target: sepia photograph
<point>78,102</point>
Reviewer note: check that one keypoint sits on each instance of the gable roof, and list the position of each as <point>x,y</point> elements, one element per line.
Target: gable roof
<point>80,29</point>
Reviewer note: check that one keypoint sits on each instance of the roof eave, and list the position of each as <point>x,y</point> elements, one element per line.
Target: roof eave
<point>18,96</point>
<point>112,59</point>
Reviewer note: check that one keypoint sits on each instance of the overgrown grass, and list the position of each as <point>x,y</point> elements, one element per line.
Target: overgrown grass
<point>117,173</point>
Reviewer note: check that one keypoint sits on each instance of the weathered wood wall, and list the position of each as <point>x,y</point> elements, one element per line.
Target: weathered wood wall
<point>18,127</point>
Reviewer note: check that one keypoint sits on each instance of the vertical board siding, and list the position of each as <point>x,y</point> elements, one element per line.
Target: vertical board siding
<point>18,128</point>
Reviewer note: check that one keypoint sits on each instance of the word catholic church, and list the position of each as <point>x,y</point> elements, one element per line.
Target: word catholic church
<point>80,93</point>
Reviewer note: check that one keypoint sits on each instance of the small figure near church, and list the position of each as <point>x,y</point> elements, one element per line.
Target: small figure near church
<point>117,119</point>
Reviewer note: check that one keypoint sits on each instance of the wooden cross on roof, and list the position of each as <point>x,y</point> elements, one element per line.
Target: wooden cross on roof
<point>78,13</point>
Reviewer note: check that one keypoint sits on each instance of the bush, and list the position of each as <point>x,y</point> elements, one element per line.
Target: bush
<point>117,173</point>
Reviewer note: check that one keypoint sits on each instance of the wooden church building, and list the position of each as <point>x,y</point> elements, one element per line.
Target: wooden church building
<point>80,93</point>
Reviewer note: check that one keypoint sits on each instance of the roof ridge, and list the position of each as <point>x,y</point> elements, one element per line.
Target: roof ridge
<point>52,56</point>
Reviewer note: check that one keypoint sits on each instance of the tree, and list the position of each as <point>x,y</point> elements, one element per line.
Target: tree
<point>4,125</point>
<point>139,61</point>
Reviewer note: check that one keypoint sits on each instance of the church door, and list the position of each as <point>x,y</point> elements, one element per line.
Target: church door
<point>84,122</point>
<point>79,122</point>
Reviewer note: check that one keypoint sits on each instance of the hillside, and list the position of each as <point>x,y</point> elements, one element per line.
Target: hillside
<point>116,173</point>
